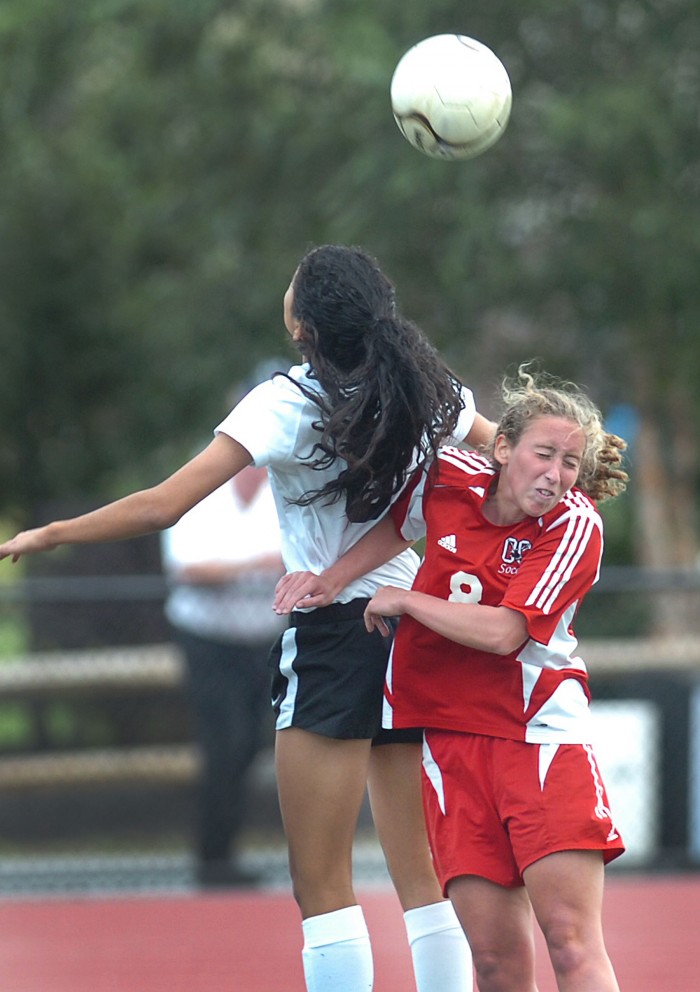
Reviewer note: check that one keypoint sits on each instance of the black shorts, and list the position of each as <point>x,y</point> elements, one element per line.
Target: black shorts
<point>328,676</point>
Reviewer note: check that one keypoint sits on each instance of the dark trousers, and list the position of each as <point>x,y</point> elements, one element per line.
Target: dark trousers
<point>228,687</point>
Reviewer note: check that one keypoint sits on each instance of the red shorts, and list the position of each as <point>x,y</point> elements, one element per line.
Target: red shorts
<point>493,806</point>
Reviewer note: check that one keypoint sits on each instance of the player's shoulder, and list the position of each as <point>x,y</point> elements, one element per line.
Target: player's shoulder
<point>301,374</point>
<point>573,508</point>
<point>283,389</point>
<point>297,386</point>
<point>460,466</point>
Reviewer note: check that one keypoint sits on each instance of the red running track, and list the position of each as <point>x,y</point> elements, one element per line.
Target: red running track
<point>250,942</point>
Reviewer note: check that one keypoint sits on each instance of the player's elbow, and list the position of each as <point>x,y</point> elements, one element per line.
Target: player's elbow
<point>157,513</point>
<point>505,645</point>
<point>509,633</point>
<point>162,519</point>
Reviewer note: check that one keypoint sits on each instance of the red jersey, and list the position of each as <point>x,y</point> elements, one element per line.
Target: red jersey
<point>540,566</point>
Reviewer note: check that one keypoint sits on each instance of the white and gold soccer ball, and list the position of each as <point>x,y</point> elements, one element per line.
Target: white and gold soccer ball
<point>451,96</point>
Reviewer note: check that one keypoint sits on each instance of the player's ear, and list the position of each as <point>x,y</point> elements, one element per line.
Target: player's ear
<point>501,449</point>
<point>304,338</point>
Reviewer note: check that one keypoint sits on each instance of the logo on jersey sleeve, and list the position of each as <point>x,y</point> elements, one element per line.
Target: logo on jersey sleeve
<point>512,555</point>
<point>449,543</point>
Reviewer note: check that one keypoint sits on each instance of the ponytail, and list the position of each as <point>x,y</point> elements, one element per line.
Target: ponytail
<point>389,400</point>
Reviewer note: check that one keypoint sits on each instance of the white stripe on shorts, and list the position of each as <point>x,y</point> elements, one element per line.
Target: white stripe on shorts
<point>546,757</point>
<point>288,655</point>
<point>434,774</point>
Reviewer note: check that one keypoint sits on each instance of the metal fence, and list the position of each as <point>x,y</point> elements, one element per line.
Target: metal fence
<point>98,765</point>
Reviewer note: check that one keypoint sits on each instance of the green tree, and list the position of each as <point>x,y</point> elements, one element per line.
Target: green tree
<point>163,166</point>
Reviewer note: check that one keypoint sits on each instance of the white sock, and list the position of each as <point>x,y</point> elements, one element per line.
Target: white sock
<point>442,959</point>
<point>337,955</point>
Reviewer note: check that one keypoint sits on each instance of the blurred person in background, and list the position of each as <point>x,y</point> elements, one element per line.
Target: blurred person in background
<point>222,560</point>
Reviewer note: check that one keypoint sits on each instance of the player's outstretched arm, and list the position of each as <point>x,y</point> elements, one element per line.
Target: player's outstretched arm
<point>27,542</point>
<point>142,512</point>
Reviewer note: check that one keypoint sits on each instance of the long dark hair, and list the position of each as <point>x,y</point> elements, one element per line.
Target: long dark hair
<point>389,398</point>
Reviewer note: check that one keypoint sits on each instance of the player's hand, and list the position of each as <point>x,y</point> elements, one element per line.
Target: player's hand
<point>302,590</point>
<point>386,602</point>
<point>28,542</point>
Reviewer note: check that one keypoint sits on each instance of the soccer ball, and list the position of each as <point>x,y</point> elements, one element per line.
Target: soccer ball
<point>451,96</point>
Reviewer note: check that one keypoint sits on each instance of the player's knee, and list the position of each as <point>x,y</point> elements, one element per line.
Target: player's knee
<point>503,962</point>
<point>493,971</point>
<point>566,948</point>
<point>318,889</point>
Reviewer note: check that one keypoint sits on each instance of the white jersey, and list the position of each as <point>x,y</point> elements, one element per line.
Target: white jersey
<point>274,423</point>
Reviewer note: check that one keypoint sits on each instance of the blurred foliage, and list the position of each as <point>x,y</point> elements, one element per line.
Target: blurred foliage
<point>13,626</point>
<point>164,165</point>
<point>13,637</point>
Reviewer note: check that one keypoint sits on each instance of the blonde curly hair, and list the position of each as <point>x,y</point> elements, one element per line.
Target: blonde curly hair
<point>529,395</point>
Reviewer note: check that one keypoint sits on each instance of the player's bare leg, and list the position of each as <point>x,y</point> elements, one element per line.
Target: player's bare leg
<point>440,952</point>
<point>566,890</point>
<point>397,810</point>
<point>499,925</point>
<point>321,784</point>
